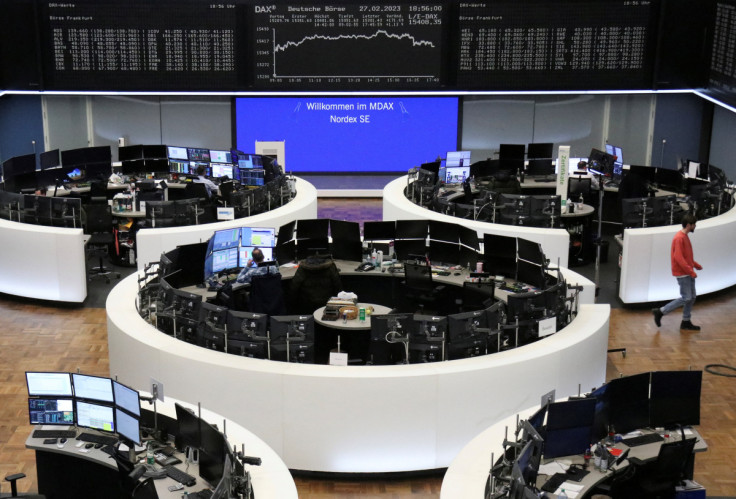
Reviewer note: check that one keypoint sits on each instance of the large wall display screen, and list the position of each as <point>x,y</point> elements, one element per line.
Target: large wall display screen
<point>722,78</point>
<point>566,44</point>
<point>140,45</point>
<point>349,45</point>
<point>350,134</point>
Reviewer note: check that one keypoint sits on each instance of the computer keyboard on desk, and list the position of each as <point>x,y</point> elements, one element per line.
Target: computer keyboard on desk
<point>554,482</point>
<point>180,476</point>
<point>647,438</point>
<point>202,494</point>
<point>97,439</point>
<point>54,433</point>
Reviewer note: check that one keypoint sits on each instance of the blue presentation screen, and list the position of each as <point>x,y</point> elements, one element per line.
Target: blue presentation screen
<point>378,134</point>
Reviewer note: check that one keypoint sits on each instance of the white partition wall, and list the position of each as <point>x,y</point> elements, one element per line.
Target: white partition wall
<point>396,206</point>
<point>359,419</point>
<point>646,272</point>
<point>150,243</point>
<point>42,262</point>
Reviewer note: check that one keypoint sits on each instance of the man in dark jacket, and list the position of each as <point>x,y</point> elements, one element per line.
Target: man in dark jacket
<point>315,282</point>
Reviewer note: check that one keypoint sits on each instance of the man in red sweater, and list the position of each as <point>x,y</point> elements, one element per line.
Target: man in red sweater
<point>683,268</point>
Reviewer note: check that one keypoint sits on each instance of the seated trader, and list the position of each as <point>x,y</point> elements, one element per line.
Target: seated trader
<point>201,179</point>
<point>253,268</point>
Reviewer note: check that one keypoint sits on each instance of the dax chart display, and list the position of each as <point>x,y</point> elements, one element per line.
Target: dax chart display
<point>349,45</point>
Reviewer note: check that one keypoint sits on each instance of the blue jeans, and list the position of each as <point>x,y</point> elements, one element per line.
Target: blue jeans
<point>686,299</point>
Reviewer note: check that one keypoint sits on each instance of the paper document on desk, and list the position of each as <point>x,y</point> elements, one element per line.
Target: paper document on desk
<point>553,467</point>
<point>571,489</point>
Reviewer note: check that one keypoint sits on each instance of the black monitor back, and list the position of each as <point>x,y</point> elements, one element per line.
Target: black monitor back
<point>538,150</point>
<point>412,229</point>
<point>675,398</point>
<point>379,231</point>
<point>500,255</point>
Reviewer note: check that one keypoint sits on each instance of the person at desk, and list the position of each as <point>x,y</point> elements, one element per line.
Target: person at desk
<point>253,268</point>
<point>683,268</point>
<point>201,179</point>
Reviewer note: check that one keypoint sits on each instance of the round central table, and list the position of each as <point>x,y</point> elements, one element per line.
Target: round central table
<point>356,345</point>
<point>351,324</point>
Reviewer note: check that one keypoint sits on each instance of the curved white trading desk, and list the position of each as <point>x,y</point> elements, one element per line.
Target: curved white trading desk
<point>396,206</point>
<point>46,263</point>
<point>646,272</point>
<point>270,479</point>
<point>358,419</point>
<point>150,243</point>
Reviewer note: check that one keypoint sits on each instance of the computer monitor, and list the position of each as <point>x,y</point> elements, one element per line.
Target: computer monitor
<point>386,327</point>
<point>245,254</point>
<point>569,427</point>
<point>221,170</point>
<point>92,388</point>
<point>213,449</point>
<point>225,238</point>
<point>300,352</point>
<point>546,210</point>
<point>446,231</point>
<point>73,157</point>
<point>315,228</point>
<point>248,324</point>
<point>623,403</point>
<point>50,159</point>
<point>540,150</point>
<point>412,229</point>
<point>95,416</point>
<point>541,167</point>
<point>127,426</point>
<point>464,339</point>
<point>221,157</point>
<point>458,158</point>
<point>379,231</point>
<point>616,152</point>
<point>126,398</point>
<point>426,337</point>
<point>129,153</point>
<point>187,304</point>
<point>675,398</point>
<point>198,154</point>
<point>669,180</point>
<point>224,260</point>
<point>49,384</point>
<point>600,163</point>
<point>248,161</point>
<point>161,213</point>
<point>291,327</point>
<point>346,243</point>
<point>499,253</point>
<point>531,251</point>
<point>263,237</point>
<point>636,212</point>
<point>51,411</point>
<point>525,306</point>
<point>531,274</point>
<point>189,428</point>
<point>456,174</point>
<point>528,461</point>
<point>177,153</point>
<point>511,151</point>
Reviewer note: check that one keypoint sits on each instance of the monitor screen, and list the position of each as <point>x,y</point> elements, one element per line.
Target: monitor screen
<point>51,411</point>
<point>92,387</point>
<point>249,161</point>
<point>541,167</point>
<point>178,153</point>
<point>50,159</point>
<point>224,259</point>
<point>456,174</point>
<point>246,254</point>
<point>569,427</point>
<point>221,170</point>
<point>226,238</point>
<point>126,398</point>
<point>189,428</point>
<point>213,449</point>
<point>530,251</point>
<point>312,228</point>
<point>531,274</point>
<point>617,152</point>
<point>379,231</point>
<point>412,229</point>
<point>128,153</point>
<point>540,150</point>
<point>95,416</point>
<point>458,158</point>
<point>296,327</point>
<point>179,166</point>
<point>675,398</point>
<point>128,426</point>
<point>196,154</point>
<point>254,177</point>
<point>220,156</point>
<point>623,403</point>
<point>73,157</point>
<point>262,237</point>
<point>44,383</point>
<point>500,255</point>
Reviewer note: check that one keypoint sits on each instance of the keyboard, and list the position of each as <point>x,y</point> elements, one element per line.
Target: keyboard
<point>202,494</point>
<point>554,482</point>
<point>97,439</point>
<point>180,476</point>
<point>647,438</point>
<point>54,433</point>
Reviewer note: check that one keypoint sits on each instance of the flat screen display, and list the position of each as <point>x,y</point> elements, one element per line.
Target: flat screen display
<point>458,158</point>
<point>178,153</point>
<point>351,134</point>
<point>42,383</point>
<point>456,174</point>
<point>51,411</point>
<point>95,416</point>
<point>128,427</point>
<point>127,398</point>
<point>224,259</point>
<point>258,236</point>
<point>221,170</point>
<point>92,387</point>
<point>246,254</point>
<point>226,238</point>
<point>220,156</point>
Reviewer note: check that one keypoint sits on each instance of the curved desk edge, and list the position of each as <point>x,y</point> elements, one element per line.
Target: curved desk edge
<point>152,242</point>
<point>367,419</point>
<point>396,206</point>
<point>46,263</point>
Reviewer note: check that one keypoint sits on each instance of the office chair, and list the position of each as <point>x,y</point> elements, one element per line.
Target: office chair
<point>657,479</point>
<point>99,226</point>
<point>420,289</point>
<point>267,295</point>
<point>14,488</point>
<point>98,192</point>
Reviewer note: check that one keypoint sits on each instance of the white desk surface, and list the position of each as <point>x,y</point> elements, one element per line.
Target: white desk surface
<point>351,324</point>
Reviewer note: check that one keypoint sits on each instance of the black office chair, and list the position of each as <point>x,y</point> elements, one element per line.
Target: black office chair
<point>420,288</point>
<point>99,226</point>
<point>267,295</point>
<point>14,488</point>
<point>656,479</point>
